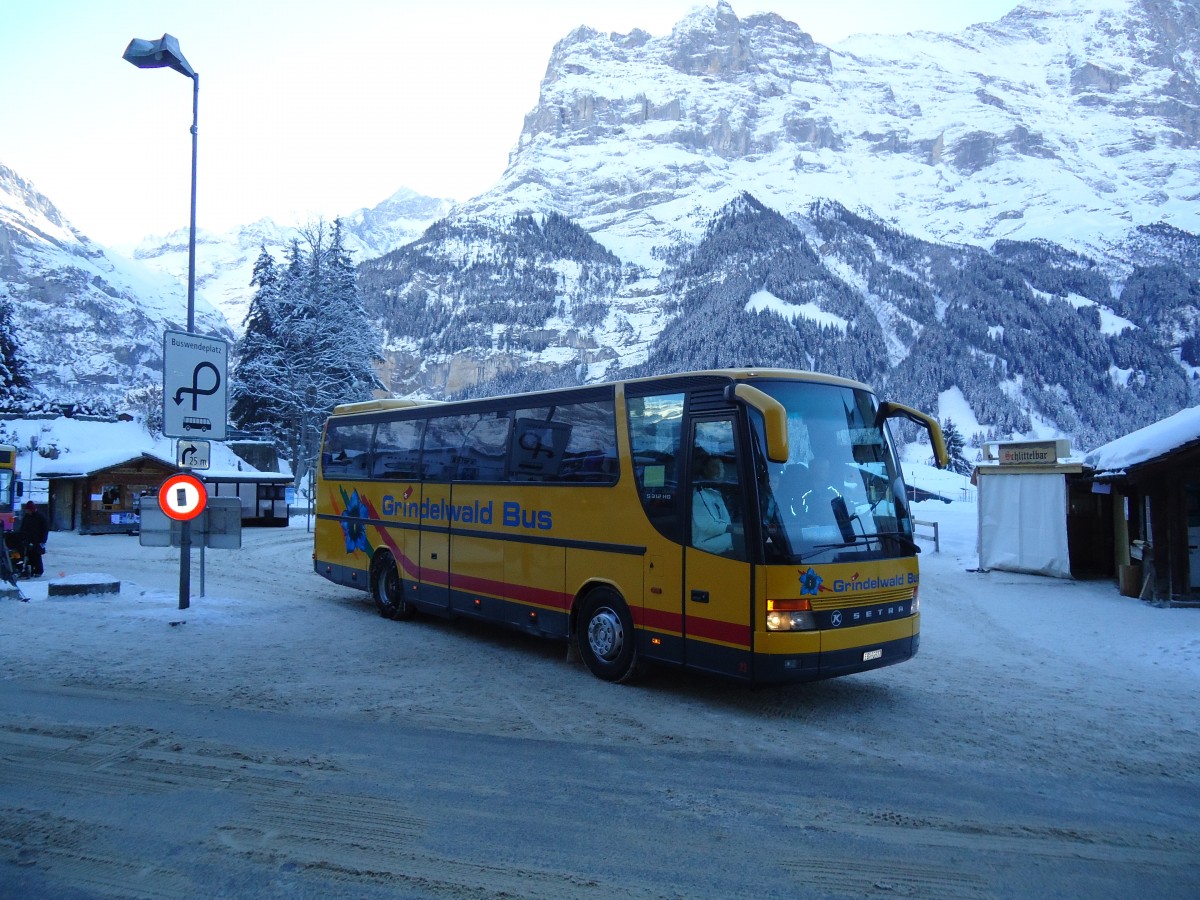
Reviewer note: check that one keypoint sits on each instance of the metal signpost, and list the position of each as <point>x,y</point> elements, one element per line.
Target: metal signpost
<point>195,405</point>
<point>182,497</point>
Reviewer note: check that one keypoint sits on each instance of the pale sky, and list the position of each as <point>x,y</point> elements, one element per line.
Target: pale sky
<point>313,108</point>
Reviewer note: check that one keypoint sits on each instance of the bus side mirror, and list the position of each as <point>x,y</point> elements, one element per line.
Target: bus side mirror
<point>774,418</point>
<point>20,491</point>
<point>891,410</point>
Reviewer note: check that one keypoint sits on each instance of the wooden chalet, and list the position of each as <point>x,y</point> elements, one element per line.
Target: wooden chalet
<point>1153,478</point>
<point>102,492</point>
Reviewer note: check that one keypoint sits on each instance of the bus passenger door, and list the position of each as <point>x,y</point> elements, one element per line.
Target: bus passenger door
<point>717,585</point>
<point>434,592</point>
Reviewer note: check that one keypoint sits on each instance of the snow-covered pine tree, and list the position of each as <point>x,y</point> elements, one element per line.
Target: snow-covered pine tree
<point>256,352</point>
<point>14,382</point>
<point>954,448</point>
<point>313,346</point>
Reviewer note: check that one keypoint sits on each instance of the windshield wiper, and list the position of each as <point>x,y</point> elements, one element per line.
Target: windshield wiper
<point>899,536</point>
<point>862,540</point>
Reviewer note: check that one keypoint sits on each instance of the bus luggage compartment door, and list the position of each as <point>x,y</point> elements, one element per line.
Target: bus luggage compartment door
<point>716,614</point>
<point>434,592</point>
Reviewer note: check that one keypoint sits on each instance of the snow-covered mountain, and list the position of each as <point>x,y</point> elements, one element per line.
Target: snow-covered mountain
<point>1052,155</point>
<point>1005,217</point>
<point>90,322</point>
<point>1067,120</point>
<point>225,262</point>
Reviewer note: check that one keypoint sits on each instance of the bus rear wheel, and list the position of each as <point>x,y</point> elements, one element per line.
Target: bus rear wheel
<point>604,633</point>
<point>387,589</point>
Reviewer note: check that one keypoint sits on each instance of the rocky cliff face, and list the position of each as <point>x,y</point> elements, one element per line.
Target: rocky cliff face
<point>1066,121</point>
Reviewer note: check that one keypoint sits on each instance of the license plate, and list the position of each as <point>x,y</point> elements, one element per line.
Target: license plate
<point>872,654</point>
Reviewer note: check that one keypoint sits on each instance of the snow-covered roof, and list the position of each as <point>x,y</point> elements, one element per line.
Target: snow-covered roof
<point>1145,444</point>
<point>76,465</point>
<point>226,466</point>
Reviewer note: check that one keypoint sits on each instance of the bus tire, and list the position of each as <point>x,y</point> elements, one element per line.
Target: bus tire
<point>605,637</point>
<point>387,590</point>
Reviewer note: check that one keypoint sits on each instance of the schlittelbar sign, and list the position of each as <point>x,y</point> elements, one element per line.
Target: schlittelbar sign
<point>1028,453</point>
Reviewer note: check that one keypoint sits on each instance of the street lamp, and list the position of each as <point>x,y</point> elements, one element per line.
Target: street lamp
<point>158,54</point>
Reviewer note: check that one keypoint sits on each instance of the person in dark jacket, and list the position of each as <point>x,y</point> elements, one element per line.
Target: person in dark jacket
<point>32,533</point>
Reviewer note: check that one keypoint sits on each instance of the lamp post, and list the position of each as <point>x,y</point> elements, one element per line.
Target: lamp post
<point>165,53</point>
<point>158,54</point>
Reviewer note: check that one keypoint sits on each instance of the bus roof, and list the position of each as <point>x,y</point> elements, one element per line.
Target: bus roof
<point>751,374</point>
<point>370,406</point>
<point>366,406</point>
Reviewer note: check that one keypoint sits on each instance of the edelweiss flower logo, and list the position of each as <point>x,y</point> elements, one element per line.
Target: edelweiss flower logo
<point>353,528</point>
<point>810,582</point>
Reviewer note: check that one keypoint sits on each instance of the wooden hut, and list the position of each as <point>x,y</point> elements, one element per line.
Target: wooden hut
<point>1153,477</point>
<point>102,492</point>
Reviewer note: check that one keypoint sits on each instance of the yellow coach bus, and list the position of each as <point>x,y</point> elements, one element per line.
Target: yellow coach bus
<point>751,523</point>
<point>10,486</point>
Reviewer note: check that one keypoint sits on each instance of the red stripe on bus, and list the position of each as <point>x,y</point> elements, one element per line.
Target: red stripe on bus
<point>714,630</point>
<point>520,592</point>
<point>658,619</point>
<point>406,564</point>
<point>697,626</point>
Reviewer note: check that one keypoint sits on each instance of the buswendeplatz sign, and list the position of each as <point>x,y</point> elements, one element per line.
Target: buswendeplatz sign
<point>182,497</point>
<point>195,374</point>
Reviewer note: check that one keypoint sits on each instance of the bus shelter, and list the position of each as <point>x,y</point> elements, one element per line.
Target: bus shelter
<point>103,492</point>
<point>265,496</point>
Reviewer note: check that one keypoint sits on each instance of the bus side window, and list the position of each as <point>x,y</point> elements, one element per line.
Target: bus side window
<point>718,519</point>
<point>536,450</point>
<point>481,457</point>
<point>655,437</point>
<point>446,454</point>
<point>397,450</point>
<point>591,453</point>
<point>440,449</point>
<point>347,449</point>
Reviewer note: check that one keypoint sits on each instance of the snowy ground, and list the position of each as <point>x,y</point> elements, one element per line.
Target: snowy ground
<point>1046,740</point>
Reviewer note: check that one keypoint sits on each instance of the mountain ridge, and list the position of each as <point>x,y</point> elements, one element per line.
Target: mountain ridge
<point>940,201</point>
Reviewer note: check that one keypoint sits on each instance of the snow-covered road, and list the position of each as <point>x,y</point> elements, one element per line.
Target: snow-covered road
<point>1045,740</point>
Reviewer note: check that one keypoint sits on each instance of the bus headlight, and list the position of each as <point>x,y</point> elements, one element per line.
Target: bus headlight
<point>790,621</point>
<point>916,601</point>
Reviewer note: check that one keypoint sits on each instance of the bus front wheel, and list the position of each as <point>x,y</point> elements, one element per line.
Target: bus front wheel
<point>604,633</point>
<point>388,590</point>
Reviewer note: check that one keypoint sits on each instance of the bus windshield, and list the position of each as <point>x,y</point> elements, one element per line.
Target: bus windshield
<point>840,496</point>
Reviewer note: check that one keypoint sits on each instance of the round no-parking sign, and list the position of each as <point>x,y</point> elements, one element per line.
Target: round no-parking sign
<point>182,497</point>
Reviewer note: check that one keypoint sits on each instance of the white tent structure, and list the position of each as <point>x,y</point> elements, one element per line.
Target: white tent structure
<point>1022,505</point>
